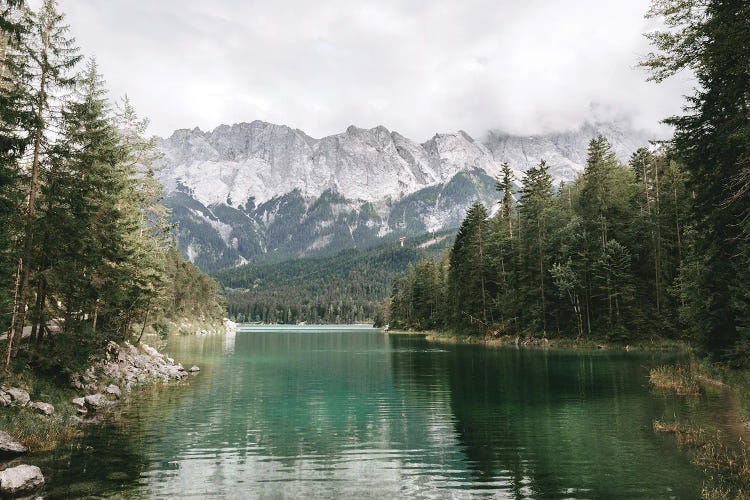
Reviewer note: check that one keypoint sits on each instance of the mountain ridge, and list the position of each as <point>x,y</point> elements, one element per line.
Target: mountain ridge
<point>243,191</point>
<point>256,149</point>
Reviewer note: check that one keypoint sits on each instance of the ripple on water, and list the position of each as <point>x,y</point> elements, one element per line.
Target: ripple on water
<point>357,414</point>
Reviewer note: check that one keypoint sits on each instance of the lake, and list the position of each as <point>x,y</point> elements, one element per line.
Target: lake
<point>354,413</point>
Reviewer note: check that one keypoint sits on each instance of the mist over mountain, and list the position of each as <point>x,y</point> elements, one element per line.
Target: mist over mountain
<point>248,191</point>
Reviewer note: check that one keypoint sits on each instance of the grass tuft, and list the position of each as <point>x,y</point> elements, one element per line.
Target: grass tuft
<point>677,378</point>
<point>727,467</point>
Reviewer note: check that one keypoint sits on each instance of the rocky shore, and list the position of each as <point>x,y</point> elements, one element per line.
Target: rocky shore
<point>20,480</point>
<point>188,326</point>
<point>123,369</point>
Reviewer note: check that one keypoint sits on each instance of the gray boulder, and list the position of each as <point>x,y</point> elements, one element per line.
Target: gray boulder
<point>43,408</point>
<point>97,401</point>
<point>18,395</point>
<point>194,369</point>
<point>5,399</point>
<point>176,372</point>
<point>80,404</point>
<point>9,446</point>
<point>113,390</point>
<point>20,480</point>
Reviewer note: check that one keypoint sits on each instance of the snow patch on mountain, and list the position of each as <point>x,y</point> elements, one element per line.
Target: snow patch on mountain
<point>258,161</point>
<point>266,188</point>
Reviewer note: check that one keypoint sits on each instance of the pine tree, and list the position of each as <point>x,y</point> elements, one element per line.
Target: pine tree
<point>595,199</point>
<point>469,283</point>
<point>613,272</point>
<point>150,240</point>
<point>505,186</point>
<point>712,140</point>
<point>47,55</point>
<point>85,212</point>
<point>567,282</point>
<point>15,121</point>
<point>502,254</point>
<point>536,197</point>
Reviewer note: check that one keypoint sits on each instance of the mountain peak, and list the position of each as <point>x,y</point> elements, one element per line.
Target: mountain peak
<point>261,160</point>
<point>237,190</point>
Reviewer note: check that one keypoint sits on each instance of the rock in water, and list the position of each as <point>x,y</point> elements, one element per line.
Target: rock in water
<point>96,401</point>
<point>194,369</point>
<point>43,408</point>
<point>19,396</point>
<point>20,480</point>
<point>113,390</point>
<point>9,446</point>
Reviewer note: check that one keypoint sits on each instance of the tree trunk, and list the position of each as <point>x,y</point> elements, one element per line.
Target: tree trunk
<point>588,305</point>
<point>541,280</point>
<point>481,275</point>
<point>19,306</point>
<point>677,228</point>
<point>657,246</point>
<point>38,310</point>
<point>145,321</point>
<point>4,42</point>
<point>96,316</point>
<point>11,332</point>
<point>609,299</point>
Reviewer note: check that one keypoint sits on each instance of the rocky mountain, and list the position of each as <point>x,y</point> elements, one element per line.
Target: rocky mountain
<point>256,190</point>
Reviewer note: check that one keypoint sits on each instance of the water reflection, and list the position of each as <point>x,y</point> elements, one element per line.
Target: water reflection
<point>360,414</point>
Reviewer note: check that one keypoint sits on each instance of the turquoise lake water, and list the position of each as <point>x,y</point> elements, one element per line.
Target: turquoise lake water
<point>354,413</point>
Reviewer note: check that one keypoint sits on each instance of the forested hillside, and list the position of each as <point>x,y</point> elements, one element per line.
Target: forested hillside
<point>346,287</point>
<point>595,257</point>
<point>86,250</point>
<point>656,247</point>
<point>288,226</point>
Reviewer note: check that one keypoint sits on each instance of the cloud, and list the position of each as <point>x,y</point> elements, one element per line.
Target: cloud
<point>414,66</point>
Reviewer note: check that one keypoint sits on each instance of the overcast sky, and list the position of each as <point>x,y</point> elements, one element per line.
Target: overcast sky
<point>415,66</point>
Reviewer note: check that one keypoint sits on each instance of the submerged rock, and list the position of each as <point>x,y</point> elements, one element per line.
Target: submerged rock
<point>97,401</point>
<point>10,447</point>
<point>20,480</point>
<point>43,408</point>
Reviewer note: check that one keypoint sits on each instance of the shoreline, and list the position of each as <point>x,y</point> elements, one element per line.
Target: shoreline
<point>114,380</point>
<point>716,446</point>
<point>451,337</point>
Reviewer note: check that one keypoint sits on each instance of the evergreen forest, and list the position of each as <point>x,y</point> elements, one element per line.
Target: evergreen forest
<point>86,251</point>
<point>659,247</point>
<point>347,287</point>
